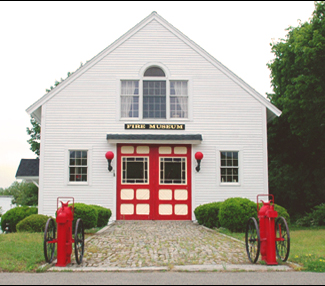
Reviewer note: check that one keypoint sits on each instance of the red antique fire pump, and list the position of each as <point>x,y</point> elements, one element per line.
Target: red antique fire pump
<point>64,219</point>
<point>272,238</point>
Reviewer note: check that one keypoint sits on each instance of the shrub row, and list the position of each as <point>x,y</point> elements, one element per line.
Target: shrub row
<point>15,215</point>
<point>26,219</point>
<point>314,218</point>
<point>232,214</point>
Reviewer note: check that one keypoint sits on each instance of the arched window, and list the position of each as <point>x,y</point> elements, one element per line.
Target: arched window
<point>154,71</point>
<point>154,95</point>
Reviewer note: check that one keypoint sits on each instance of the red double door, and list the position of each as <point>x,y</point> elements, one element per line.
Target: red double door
<point>153,182</point>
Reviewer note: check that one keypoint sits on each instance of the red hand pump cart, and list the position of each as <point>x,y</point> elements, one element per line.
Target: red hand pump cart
<point>272,238</point>
<point>64,220</point>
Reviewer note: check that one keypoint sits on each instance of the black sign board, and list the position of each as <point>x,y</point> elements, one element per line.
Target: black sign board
<point>155,126</point>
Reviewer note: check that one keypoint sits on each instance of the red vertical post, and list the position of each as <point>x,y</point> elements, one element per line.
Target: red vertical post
<point>271,251</point>
<point>267,215</point>
<point>64,220</point>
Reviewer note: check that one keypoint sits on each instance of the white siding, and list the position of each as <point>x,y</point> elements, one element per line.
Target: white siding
<point>83,113</point>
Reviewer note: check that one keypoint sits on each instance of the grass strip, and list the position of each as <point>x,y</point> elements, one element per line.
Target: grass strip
<point>307,246</point>
<point>21,252</point>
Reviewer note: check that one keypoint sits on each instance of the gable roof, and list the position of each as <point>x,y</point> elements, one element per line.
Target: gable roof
<point>28,168</point>
<point>272,111</point>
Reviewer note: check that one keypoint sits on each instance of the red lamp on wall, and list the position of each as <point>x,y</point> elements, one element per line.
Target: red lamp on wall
<point>109,156</point>
<point>198,157</point>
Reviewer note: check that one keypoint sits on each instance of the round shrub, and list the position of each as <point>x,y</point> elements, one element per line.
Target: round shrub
<point>103,215</point>
<point>87,213</point>
<point>15,215</point>
<point>235,212</point>
<point>33,223</point>
<point>208,214</point>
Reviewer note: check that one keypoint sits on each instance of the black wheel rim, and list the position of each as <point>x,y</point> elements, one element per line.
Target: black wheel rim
<point>252,239</point>
<point>282,237</point>
<point>79,241</point>
<point>49,236</point>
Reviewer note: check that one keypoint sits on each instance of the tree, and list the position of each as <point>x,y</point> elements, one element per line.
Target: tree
<point>35,134</point>
<point>297,138</point>
<point>25,194</point>
<point>0,211</point>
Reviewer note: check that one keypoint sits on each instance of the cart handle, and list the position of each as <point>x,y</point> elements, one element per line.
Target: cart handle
<point>265,195</point>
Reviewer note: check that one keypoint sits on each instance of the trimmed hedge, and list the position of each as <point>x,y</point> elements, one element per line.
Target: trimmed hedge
<point>87,213</point>
<point>33,223</point>
<point>235,212</point>
<point>208,214</point>
<point>15,215</point>
<point>103,215</point>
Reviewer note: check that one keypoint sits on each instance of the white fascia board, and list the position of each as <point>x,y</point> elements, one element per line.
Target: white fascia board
<point>26,178</point>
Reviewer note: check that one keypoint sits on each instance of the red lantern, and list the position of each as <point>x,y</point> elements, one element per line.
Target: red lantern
<point>109,156</point>
<point>198,157</point>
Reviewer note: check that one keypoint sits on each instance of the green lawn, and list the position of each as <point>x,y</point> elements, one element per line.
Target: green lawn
<point>23,252</point>
<point>307,247</point>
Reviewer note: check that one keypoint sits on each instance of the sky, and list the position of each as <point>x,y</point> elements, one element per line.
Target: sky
<point>40,42</point>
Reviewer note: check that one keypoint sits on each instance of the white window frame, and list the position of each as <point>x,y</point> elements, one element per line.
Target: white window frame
<point>142,78</point>
<point>67,165</point>
<point>238,149</point>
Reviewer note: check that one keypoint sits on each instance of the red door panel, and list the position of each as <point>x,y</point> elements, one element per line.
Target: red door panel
<point>153,182</point>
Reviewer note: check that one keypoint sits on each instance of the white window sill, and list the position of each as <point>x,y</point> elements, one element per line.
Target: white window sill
<point>230,184</point>
<point>78,184</point>
<point>154,119</point>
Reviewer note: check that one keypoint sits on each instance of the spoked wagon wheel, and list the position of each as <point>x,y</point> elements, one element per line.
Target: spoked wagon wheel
<point>252,239</point>
<point>282,239</point>
<point>79,241</point>
<point>49,240</point>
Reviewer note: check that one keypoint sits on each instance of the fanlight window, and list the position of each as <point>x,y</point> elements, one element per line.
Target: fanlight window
<point>154,71</point>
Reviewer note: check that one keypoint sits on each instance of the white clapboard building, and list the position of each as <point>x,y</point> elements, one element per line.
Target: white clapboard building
<point>156,101</point>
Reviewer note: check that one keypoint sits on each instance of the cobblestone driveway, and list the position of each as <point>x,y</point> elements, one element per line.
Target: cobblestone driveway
<point>160,243</point>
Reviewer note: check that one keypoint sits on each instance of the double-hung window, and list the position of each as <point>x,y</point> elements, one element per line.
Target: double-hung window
<point>129,98</point>
<point>78,166</point>
<point>178,99</point>
<point>229,167</point>
<point>154,99</point>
